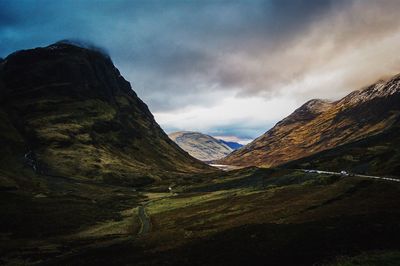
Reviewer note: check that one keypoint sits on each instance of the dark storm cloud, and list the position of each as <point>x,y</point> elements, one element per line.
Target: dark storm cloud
<point>165,47</point>
<point>179,54</point>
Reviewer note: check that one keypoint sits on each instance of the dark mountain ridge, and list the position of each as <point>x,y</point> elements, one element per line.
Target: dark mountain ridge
<point>72,109</point>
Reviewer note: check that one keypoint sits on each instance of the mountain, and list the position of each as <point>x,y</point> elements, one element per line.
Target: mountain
<point>321,125</point>
<point>201,146</point>
<point>66,111</point>
<point>231,144</point>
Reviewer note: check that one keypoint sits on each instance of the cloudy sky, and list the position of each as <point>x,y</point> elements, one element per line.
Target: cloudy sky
<point>226,68</point>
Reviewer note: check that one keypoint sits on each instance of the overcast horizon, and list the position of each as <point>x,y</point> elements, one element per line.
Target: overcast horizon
<point>225,68</point>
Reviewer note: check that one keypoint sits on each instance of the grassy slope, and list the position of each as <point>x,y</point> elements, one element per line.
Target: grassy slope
<point>304,219</point>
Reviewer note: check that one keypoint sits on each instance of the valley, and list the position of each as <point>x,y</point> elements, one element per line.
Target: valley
<point>88,177</point>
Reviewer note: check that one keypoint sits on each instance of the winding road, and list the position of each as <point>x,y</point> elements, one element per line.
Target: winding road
<point>144,217</point>
<point>231,167</point>
<point>144,220</point>
<point>341,174</point>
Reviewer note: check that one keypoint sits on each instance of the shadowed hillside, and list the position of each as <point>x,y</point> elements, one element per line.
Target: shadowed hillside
<point>67,111</point>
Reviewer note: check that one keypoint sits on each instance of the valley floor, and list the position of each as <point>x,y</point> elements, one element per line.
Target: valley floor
<point>247,216</point>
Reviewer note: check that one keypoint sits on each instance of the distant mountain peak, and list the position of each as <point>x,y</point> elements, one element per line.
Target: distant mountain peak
<point>201,146</point>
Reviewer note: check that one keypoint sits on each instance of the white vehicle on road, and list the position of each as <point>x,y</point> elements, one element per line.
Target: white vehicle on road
<point>344,173</point>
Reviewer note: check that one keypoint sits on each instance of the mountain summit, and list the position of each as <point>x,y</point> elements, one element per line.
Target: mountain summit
<point>68,109</point>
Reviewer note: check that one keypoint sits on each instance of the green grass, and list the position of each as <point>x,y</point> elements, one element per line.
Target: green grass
<point>172,202</point>
<point>127,224</point>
